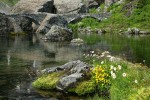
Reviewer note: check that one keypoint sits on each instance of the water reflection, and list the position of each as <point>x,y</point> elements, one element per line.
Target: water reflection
<point>22,58</point>
<point>8,58</point>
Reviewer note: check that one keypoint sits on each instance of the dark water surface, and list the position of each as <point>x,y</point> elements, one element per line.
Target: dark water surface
<point>21,58</point>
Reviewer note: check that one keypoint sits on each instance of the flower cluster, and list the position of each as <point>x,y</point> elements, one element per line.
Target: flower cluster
<point>113,71</point>
<point>101,76</point>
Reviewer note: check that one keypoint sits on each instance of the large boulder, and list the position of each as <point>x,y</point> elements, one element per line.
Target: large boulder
<point>70,6</point>
<point>58,33</point>
<point>75,72</point>
<point>49,21</point>
<point>32,6</point>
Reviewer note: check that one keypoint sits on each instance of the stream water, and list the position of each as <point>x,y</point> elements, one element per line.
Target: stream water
<point>22,57</point>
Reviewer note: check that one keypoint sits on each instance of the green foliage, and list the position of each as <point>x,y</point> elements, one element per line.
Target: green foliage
<point>95,11</point>
<point>85,87</point>
<point>47,81</point>
<point>127,80</point>
<point>10,2</point>
<point>101,76</point>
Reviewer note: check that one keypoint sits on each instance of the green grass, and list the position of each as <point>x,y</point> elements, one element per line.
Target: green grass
<point>123,88</point>
<point>10,2</point>
<point>133,86</point>
<point>119,20</point>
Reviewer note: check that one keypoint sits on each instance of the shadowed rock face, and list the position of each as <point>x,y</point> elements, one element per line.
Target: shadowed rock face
<point>6,25</point>
<point>32,6</point>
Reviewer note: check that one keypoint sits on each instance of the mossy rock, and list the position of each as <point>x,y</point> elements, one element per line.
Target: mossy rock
<point>48,81</point>
<point>85,87</point>
<point>142,94</point>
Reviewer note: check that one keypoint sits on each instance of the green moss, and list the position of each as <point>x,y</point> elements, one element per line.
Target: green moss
<point>85,87</point>
<point>47,81</point>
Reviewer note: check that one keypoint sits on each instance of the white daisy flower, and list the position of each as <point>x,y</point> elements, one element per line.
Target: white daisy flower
<point>102,62</point>
<point>136,81</point>
<point>111,67</point>
<point>124,74</point>
<point>113,75</point>
<point>119,67</point>
<point>115,68</point>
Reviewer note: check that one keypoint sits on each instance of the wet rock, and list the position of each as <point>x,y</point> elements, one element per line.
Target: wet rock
<point>58,33</point>
<point>90,31</point>
<point>77,41</point>
<point>136,31</point>
<point>32,6</point>
<point>49,21</point>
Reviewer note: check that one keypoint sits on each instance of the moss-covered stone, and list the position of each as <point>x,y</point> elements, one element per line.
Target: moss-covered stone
<point>47,81</point>
<point>85,87</point>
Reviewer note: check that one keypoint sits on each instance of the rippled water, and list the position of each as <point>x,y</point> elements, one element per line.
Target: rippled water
<point>21,58</point>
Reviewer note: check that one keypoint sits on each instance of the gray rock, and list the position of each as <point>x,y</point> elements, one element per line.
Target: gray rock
<point>69,6</point>
<point>136,31</point>
<point>58,33</point>
<point>6,25</point>
<point>68,81</point>
<point>49,21</point>
<point>75,72</point>
<point>109,2</point>
<point>32,6</point>
<point>89,31</point>
<point>77,40</point>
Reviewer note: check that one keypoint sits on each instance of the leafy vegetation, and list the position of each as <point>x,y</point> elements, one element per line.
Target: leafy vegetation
<point>128,81</point>
<point>120,20</point>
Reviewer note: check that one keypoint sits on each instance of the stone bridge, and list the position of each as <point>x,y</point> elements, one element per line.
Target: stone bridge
<point>70,18</point>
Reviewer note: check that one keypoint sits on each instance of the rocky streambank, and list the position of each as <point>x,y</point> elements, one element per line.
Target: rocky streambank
<point>49,18</point>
